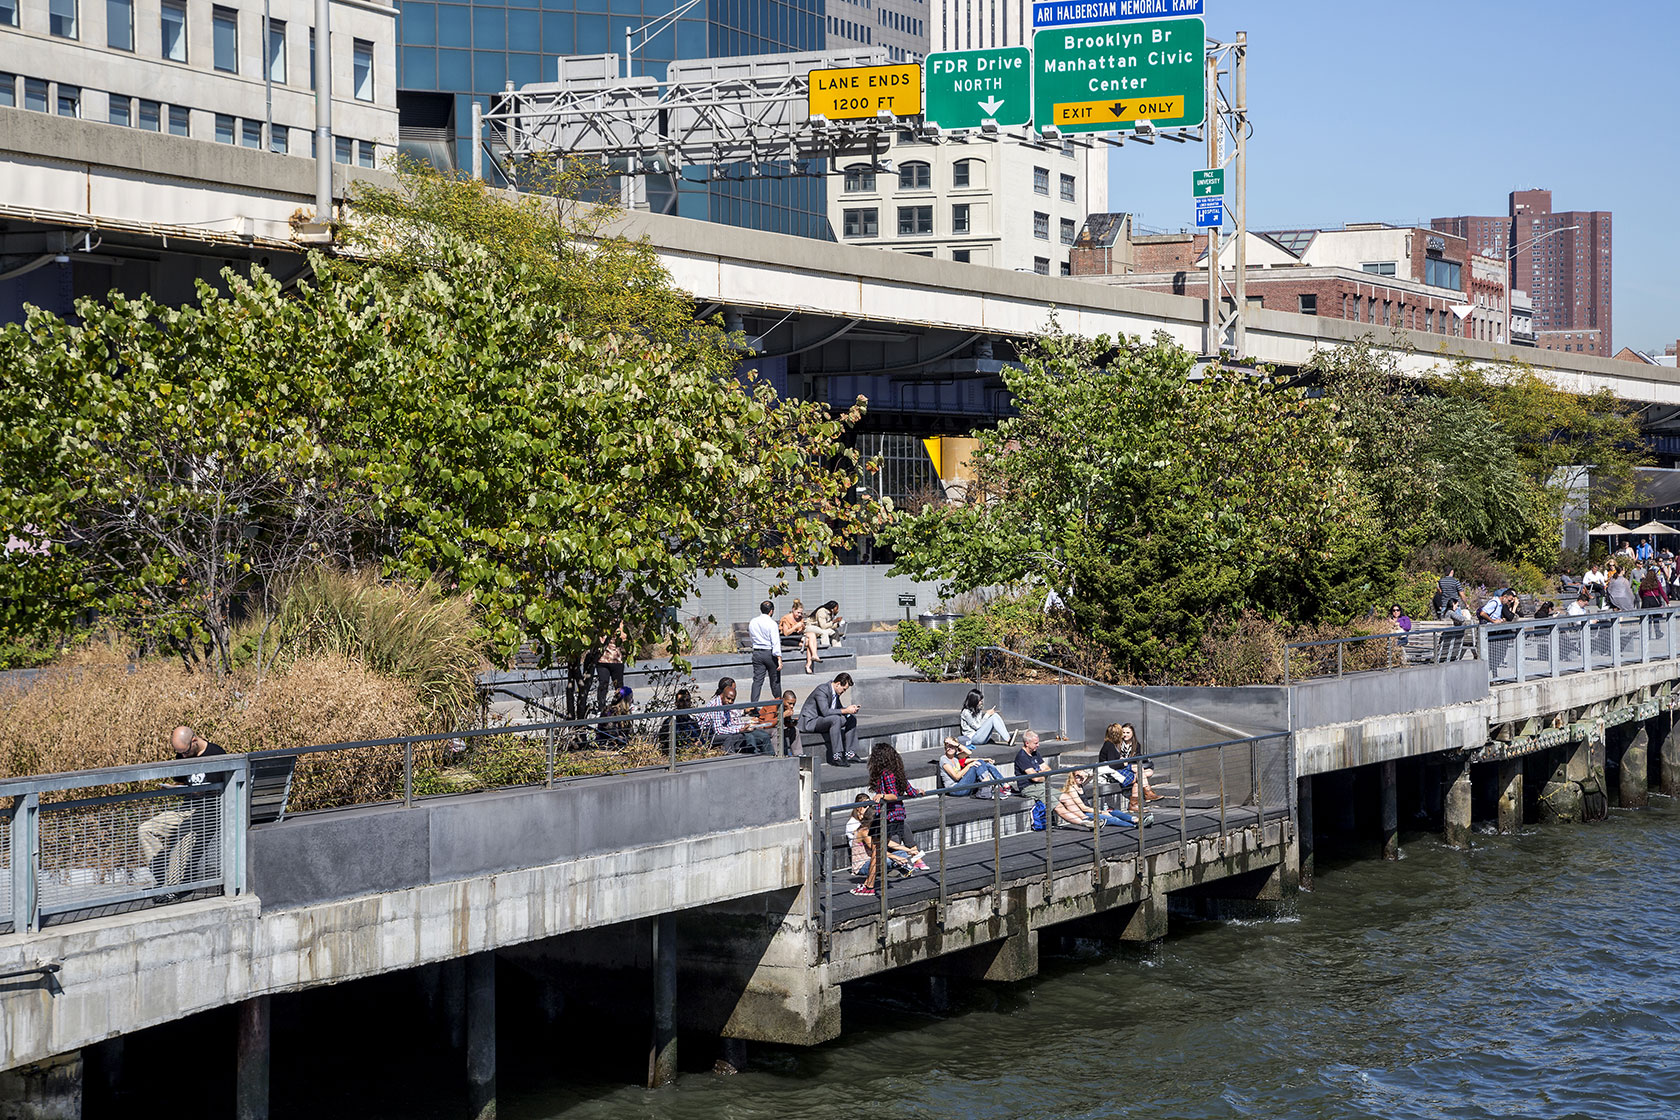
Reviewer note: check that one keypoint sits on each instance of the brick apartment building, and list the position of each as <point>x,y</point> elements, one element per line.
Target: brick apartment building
<point>1565,271</point>
<point>1415,279</point>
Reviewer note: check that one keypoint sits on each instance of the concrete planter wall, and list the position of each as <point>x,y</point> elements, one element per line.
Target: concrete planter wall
<point>1332,700</point>
<point>1036,705</point>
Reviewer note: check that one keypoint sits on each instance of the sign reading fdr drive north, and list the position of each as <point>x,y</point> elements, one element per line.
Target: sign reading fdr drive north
<point>858,92</point>
<point>1107,77</point>
<point>967,88</point>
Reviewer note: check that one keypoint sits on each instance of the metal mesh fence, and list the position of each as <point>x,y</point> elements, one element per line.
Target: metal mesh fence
<point>113,849</point>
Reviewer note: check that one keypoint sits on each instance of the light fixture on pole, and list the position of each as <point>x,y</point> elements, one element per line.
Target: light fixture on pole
<point>651,28</point>
<point>1511,263</point>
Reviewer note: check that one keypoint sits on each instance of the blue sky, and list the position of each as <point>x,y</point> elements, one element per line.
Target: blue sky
<point>1402,112</point>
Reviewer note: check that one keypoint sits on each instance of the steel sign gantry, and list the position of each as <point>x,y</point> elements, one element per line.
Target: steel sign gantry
<point>1226,132</point>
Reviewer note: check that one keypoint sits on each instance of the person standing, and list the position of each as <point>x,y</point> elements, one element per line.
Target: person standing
<point>609,666</point>
<point>766,650</point>
<point>168,840</point>
<point>1447,588</point>
<point>827,713</point>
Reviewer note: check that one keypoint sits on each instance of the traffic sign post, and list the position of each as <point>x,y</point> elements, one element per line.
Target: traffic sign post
<point>1207,184</point>
<point>1107,77</point>
<point>967,88</point>
<point>861,92</point>
<point>1210,213</point>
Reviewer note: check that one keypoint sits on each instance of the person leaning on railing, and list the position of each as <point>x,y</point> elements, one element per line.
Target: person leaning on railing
<point>169,840</point>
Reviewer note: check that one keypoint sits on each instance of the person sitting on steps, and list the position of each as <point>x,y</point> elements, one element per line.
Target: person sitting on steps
<point>794,625</point>
<point>826,624</point>
<point>1072,811</point>
<point>827,712</point>
<point>1120,742</point>
<point>980,727</point>
<point>962,769</point>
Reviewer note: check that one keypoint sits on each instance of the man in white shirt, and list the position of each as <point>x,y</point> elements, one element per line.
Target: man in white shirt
<point>766,650</point>
<point>1582,603</point>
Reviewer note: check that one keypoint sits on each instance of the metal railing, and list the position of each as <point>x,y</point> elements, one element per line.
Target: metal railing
<point>126,842</point>
<point>1519,651</point>
<point>81,844</point>
<point>1211,789</point>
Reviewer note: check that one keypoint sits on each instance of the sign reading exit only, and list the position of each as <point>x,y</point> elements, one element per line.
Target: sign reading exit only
<point>966,88</point>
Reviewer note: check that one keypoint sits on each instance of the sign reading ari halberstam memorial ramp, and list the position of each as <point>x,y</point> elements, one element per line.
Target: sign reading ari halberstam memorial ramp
<point>1107,77</point>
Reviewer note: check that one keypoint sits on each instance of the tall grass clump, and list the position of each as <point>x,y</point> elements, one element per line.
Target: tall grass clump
<point>413,634</point>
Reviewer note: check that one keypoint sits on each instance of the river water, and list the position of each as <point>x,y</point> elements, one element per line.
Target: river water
<point>1536,976</point>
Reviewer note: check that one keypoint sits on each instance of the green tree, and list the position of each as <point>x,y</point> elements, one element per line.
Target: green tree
<point>1165,504</point>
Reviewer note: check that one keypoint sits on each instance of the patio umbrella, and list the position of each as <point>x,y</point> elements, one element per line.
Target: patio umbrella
<point>1608,529</point>
<point>1654,527</point>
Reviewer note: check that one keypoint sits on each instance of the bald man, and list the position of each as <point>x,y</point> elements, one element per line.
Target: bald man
<point>167,840</point>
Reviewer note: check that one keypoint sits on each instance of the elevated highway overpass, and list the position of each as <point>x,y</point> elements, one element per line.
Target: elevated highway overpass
<point>139,210</point>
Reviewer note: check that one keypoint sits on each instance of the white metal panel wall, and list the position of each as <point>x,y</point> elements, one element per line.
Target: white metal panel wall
<point>865,593</point>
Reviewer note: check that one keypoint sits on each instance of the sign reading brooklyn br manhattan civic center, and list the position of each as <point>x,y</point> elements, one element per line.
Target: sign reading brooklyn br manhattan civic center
<point>1107,77</point>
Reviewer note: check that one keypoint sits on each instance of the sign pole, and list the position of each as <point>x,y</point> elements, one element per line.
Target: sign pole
<point>1239,141</point>
<point>1210,339</point>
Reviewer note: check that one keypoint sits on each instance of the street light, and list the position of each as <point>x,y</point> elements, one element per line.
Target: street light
<point>651,28</point>
<point>1510,263</point>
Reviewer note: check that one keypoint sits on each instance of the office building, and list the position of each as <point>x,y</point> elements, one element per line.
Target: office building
<point>901,26</point>
<point>1006,205</point>
<point>227,73</point>
<point>1563,259</point>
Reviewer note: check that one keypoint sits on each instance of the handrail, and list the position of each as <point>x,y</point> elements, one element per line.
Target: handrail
<point>1237,732</point>
<point>824,826</point>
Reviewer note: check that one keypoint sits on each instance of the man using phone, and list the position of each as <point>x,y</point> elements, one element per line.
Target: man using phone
<point>826,711</point>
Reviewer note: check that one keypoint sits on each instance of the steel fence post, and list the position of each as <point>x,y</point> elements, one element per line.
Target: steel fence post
<point>1049,831</point>
<point>1552,653</point>
<point>25,825</point>
<point>1061,709</point>
<point>548,775</point>
<point>997,854</point>
<point>671,739</point>
<point>408,773</point>
<point>1518,651</point>
<point>943,899</point>
<point>1221,762</point>
<point>882,860</point>
<point>1644,638</point>
<point>1340,646</point>
<point>233,828</point>
<point>1616,642</point>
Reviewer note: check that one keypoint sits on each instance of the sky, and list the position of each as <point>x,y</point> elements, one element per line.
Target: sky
<point>1402,112</point>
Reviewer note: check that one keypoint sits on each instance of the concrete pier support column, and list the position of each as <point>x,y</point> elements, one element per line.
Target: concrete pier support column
<point>1668,750</point>
<point>481,1035</point>
<point>1560,796</point>
<point>251,1081</point>
<point>1006,960</point>
<point>1346,807</point>
<point>1388,780</point>
<point>102,1076</point>
<point>452,992</point>
<point>1509,787</point>
<point>1587,770</point>
<point>1635,772</point>
<point>732,1056</point>
<point>1304,819</point>
<point>1455,804</point>
<point>49,1090</point>
<point>662,1055</point>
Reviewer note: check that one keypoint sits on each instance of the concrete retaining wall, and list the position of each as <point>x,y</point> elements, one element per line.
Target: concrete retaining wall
<point>1356,696</point>
<point>324,856</point>
<point>1036,705</point>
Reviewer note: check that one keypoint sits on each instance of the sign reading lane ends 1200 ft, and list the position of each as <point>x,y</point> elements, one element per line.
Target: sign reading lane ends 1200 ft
<point>1107,77</point>
<point>859,92</point>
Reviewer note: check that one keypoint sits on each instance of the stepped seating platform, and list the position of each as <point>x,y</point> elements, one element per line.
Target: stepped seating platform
<point>972,867</point>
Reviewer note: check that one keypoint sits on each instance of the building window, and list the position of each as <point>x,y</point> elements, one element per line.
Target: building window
<point>279,138</point>
<point>864,222</point>
<point>961,256</point>
<point>959,218</point>
<point>1067,268</point>
<point>361,69</point>
<point>149,115</point>
<point>915,176</point>
<point>35,94</point>
<point>119,111</point>
<point>915,221</point>
<point>9,18</point>
<point>1067,188</point>
<point>224,39</point>
<point>8,91</point>
<point>119,24</point>
<point>1041,265</point>
<point>311,59</point>
<point>174,24</point>
<point>277,51</point>
<point>250,134</point>
<point>1309,304</point>
<point>179,120</point>
<point>1438,273</point>
<point>1041,180</point>
<point>225,127</point>
<point>344,149</point>
<point>960,173</point>
<point>1041,226</point>
<point>1067,231</point>
<point>859,177</point>
<point>61,18</point>
<point>1379,268</point>
<point>69,100</point>
<point>364,153</point>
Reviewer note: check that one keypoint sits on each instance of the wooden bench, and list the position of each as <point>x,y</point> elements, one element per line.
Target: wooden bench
<point>270,784</point>
<point>743,639</point>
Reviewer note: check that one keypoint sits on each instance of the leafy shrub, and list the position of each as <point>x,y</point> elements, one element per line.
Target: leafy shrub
<point>1416,593</point>
<point>1529,579</point>
<point>1473,566</point>
<point>1248,650</point>
<point>1016,623</point>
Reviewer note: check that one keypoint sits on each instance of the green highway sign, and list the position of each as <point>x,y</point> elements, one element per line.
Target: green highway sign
<point>963,88</point>
<point>1107,77</point>
<point>1208,183</point>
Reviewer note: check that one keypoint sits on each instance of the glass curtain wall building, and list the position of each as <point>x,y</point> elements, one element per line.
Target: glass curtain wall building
<point>451,53</point>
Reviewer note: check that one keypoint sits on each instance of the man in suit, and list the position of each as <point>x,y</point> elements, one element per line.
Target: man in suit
<point>826,710</point>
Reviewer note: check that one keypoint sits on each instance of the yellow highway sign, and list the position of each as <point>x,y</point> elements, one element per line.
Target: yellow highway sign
<point>1116,109</point>
<point>860,92</point>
